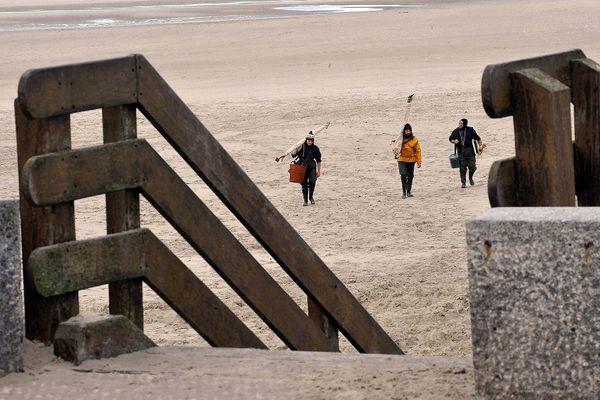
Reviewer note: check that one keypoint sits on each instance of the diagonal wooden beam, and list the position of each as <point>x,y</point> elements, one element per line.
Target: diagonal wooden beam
<point>180,127</point>
<point>192,300</point>
<point>70,266</point>
<point>133,163</point>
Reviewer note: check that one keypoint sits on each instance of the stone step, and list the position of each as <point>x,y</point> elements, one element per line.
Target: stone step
<point>218,373</point>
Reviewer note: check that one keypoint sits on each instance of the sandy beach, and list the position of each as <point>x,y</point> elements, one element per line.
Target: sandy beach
<point>259,84</point>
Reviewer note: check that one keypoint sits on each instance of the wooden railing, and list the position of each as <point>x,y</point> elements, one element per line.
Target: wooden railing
<point>53,176</point>
<point>548,169</point>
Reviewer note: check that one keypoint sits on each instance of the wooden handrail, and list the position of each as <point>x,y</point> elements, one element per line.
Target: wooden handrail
<point>62,90</point>
<point>70,266</point>
<point>134,164</point>
<point>43,93</point>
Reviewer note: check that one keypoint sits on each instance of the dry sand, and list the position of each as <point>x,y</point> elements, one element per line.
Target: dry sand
<point>259,85</point>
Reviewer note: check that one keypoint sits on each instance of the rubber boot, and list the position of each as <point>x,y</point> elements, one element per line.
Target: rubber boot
<point>463,179</point>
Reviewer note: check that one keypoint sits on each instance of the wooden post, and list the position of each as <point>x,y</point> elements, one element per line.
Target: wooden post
<point>586,98</point>
<point>123,213</point>
<point>43,226</point>
<point>544,172</point>
<point>326,324</point>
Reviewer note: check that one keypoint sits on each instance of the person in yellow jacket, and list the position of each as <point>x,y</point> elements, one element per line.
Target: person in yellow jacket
<point>407,155</point>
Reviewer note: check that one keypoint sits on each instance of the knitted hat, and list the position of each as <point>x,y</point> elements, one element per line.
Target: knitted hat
<point>310,135</point>
<point>407,126</point>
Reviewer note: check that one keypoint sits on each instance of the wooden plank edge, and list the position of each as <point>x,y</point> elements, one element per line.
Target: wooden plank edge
<point>496,85</point>
<point>76,265</point>
<point>502,189</point>
<point>34,170</point>
<point>56,83</point>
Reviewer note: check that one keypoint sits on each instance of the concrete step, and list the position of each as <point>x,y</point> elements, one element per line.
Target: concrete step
<point>217,373</point>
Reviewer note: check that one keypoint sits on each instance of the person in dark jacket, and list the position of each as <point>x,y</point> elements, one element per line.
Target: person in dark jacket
<point>466,143</point>
<point>310,155</point>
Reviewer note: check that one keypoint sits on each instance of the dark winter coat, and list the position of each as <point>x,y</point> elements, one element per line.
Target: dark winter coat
<point>309,155</point>
<point>465,140</point>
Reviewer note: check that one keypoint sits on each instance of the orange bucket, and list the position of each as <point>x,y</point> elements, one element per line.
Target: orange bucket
<point>297,172</point>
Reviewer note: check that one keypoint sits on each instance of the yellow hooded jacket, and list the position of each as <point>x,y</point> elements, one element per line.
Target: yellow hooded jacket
<point>411,150</point>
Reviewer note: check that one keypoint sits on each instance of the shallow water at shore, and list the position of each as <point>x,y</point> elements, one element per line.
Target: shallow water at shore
<point>36,18</point>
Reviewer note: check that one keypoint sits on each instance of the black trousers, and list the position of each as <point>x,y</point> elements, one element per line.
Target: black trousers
<point>309,183</point>
<point>467,162</point>
<point>407,172</point>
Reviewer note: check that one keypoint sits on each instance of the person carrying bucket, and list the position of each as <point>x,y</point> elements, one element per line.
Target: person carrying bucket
<point>309,155</point>
<point>408,154</point>
<point>465,139</point>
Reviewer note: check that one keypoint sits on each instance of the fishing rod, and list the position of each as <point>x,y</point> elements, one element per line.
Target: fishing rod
<point>409,100</point>
<point>296,147</point>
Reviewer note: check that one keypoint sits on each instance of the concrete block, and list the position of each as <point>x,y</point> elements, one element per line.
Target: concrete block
<point>534,279</point>
<point>94,337</point>
<point>11,301</point>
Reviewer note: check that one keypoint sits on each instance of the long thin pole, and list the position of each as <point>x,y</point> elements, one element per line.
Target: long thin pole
<point>297,145</point>
<point>406,114</point>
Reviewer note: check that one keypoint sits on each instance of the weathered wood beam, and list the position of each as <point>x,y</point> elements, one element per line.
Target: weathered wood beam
<point>41,226</point>
<point>193,301</point>
<point>123,213</point>
<point>198,225</point>
<point>219,247</point>
<point>66,89</point>
<point>496,82</point>
<point>65,267</point>
<point>502,183</point>
<point>327,325</point>
<point>180,127</point>
<point>72,266</point>
<point>544,150</point>
<point>585,90</point>
<point>76,174</point>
